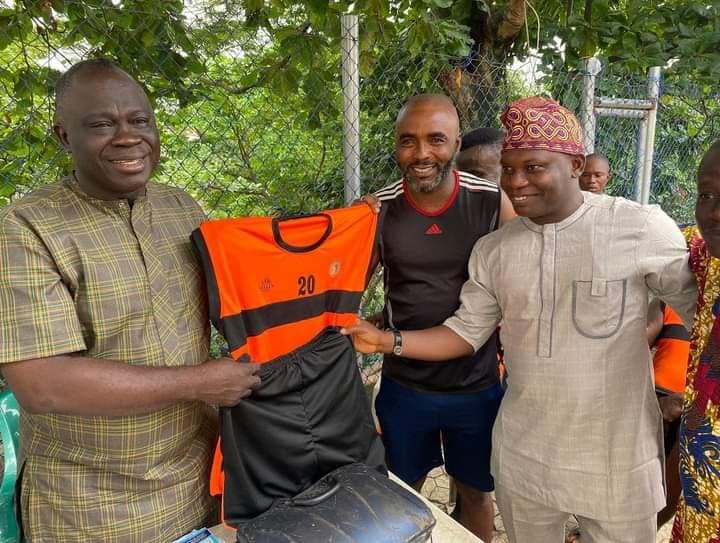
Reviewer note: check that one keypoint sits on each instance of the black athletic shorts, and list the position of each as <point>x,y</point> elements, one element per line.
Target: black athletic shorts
<point>309,416</point>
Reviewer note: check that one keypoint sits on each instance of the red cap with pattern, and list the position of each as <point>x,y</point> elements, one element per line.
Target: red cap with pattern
<point>541,123</point>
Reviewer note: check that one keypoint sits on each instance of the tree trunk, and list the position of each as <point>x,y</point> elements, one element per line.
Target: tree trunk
<point>475,85</point>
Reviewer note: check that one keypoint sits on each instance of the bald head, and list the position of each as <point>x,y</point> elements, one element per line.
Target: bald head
<point>80,71</point>
<point>429,103</point>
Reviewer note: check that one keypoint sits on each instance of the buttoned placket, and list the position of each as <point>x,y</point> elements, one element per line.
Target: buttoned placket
<point>141,222</point>
<point>547,291</point>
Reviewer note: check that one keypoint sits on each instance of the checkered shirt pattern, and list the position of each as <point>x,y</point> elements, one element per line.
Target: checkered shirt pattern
<point>109,281</point>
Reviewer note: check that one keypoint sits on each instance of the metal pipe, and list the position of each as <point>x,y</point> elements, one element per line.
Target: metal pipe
<point>351,106</point>
<point>639,173</point>
<point>591,67</point>
<point>653,95</point>
<point>623,113</point>
<point>624,103</point>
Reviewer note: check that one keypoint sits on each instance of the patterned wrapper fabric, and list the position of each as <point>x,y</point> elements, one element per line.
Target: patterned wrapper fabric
<point>698,514</point>
<point>541,123</point>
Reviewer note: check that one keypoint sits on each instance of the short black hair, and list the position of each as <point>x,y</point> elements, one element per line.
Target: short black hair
<point>63,84</point>
<point>482,136</point>
<point>598,156</point>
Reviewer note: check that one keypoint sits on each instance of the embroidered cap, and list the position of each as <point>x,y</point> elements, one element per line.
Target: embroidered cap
<point>541,123</point>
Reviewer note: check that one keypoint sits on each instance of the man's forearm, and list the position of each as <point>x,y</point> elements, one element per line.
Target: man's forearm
<point>76,385</point>
<point>435,344</point>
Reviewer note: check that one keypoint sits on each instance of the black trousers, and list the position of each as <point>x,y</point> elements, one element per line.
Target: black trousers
<point>309,416</point>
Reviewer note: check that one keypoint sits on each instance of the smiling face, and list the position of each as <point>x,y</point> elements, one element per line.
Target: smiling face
<point>106,122</point>
<point>427,136</point>
<point>707,208</point>
<point>542,185</point>
<point>596,174</point>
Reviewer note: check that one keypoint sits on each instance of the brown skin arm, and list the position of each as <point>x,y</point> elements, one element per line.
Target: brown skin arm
<point>435,344</point>
<point>78,385</point>
<point>507,212</point>
<point>655,321</point>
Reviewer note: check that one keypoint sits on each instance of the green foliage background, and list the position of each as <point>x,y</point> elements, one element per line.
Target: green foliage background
<point>248,93</point>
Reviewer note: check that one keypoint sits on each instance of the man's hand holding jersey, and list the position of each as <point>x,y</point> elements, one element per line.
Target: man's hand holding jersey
<point>225,382</point>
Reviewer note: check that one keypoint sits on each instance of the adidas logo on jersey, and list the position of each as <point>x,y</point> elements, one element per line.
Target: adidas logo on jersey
<point>266,284</point>
<point>434,230</point>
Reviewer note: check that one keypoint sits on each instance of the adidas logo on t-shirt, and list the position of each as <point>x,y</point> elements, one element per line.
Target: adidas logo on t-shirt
<point>434,230</point>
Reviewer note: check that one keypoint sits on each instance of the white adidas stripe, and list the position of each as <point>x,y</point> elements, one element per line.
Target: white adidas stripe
<point>390,190</point>
<point>389,195</point>
<point>479,188</point>
<point>467,180</point>
<point>473,179</point>
<point>392,186</point>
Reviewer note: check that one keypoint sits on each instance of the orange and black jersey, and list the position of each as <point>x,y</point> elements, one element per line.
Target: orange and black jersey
<point>274,284</point>
<point>672,350</point>
<point>278,289</point>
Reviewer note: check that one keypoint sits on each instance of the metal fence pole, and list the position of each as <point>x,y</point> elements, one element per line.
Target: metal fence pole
<point>351,106</point>
<point>640,171</point>
<point>591,67</point>
<point>647,157</point>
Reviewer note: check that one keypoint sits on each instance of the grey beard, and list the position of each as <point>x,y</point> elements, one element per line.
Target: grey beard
<point>442,174</point>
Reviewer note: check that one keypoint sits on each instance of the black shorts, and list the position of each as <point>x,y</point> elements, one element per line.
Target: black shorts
<point>415,423</point>
<point>309,416</point>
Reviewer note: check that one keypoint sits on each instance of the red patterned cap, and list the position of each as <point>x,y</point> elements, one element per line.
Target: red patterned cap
<point>541,123</point>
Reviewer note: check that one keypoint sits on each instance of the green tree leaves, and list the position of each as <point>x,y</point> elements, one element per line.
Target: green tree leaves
<point>227,75</point>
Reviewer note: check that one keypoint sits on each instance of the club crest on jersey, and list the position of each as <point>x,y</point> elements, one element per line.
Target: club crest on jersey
<point>266,284</point>
<point>334,268</point>
<point>434,230</point>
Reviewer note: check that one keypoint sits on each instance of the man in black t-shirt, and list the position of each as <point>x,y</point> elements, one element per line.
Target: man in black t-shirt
<point>430,221</point>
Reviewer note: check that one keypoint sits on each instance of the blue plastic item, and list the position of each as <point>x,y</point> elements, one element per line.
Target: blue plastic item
<point>10,436</point>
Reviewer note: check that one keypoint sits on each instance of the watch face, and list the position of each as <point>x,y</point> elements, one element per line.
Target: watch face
<point>397,340</point>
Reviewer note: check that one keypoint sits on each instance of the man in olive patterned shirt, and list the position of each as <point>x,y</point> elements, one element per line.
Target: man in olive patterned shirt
<point>104,337</point>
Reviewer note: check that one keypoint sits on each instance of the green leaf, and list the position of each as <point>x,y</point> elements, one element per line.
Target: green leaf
<point>685,30</point>
<point>254,5</point>
<point>440,3</point>
<point>148,38</point>
<point>318,6</point>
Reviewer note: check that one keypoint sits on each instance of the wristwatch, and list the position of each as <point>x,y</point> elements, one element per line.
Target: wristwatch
<point>397,343</point>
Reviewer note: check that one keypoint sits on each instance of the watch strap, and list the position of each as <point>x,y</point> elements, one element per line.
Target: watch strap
<point>397,342</point>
